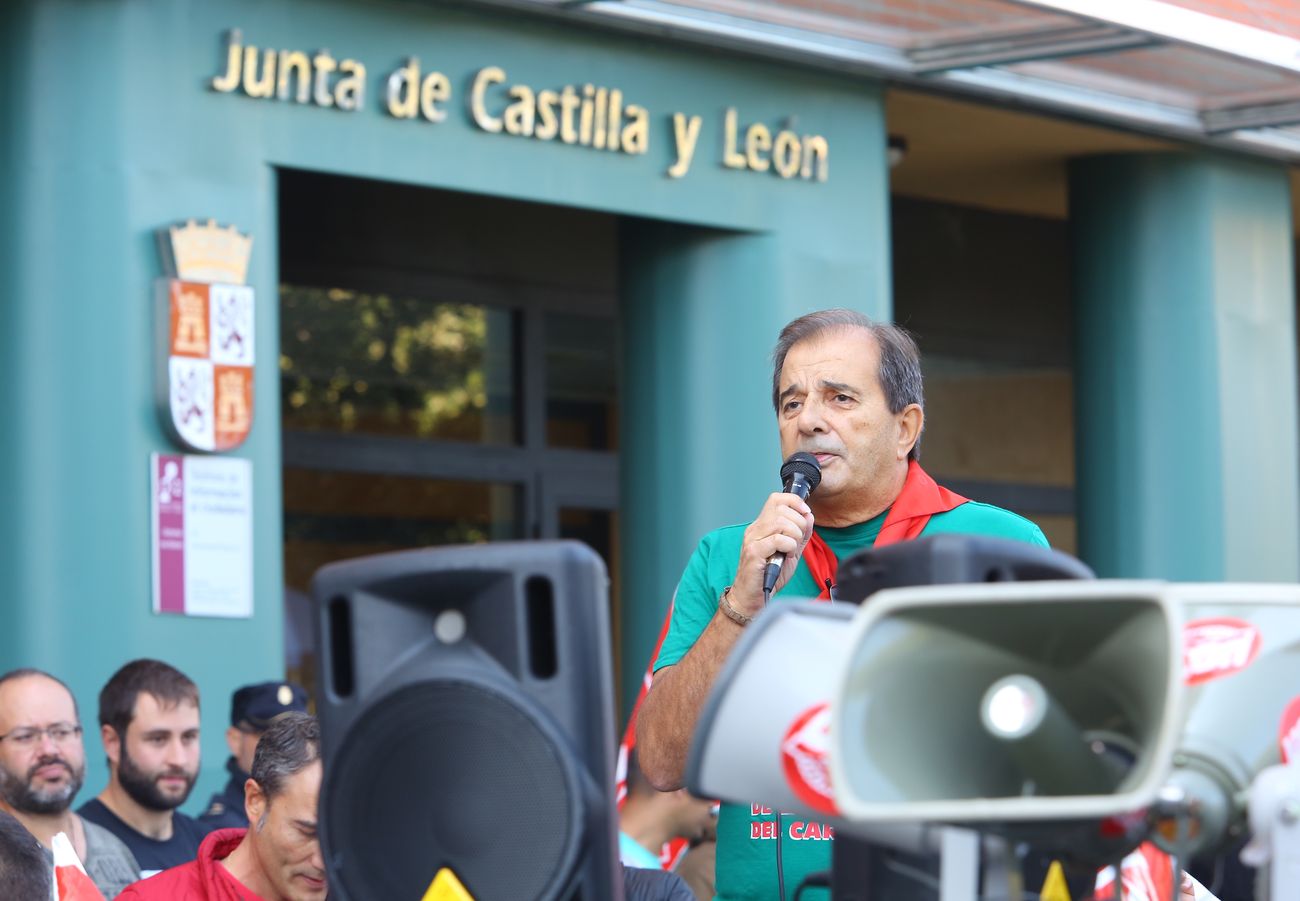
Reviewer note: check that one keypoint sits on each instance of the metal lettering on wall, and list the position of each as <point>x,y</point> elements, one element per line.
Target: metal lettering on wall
<point>205,335</point>
<point>592,116</point>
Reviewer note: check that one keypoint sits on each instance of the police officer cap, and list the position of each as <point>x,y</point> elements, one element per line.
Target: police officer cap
<point>257,705</point>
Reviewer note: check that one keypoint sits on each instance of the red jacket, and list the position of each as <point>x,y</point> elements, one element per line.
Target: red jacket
<point>202,879</point>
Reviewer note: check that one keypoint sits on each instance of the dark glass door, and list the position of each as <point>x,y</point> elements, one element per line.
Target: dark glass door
<point>456,388</point>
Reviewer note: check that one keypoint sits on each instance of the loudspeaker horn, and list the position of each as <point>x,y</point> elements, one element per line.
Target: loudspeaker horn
<point>1010,702</point>
<point>767,704</point>
<point>1241,661</point>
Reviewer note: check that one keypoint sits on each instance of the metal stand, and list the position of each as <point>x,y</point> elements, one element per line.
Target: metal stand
<point>1275,826</point>
<point>959,865</point>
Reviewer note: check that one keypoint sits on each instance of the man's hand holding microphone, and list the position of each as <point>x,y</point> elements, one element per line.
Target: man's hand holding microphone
<point>774,541</point>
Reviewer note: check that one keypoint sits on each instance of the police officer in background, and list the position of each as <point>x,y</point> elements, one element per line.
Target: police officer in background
<point>252,708</point>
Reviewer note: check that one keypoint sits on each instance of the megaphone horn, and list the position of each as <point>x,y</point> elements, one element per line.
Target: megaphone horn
<point>1007,702</point>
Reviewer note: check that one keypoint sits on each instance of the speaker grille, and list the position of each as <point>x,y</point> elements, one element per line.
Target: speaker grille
<point>456,774</point>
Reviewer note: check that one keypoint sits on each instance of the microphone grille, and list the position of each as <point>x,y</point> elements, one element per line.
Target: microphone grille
<point>804,464</point>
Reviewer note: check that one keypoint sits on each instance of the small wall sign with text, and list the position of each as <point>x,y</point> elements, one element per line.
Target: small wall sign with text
<point>202,529</point>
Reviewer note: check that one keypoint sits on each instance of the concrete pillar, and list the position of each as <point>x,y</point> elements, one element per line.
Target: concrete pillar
<point>1185,367</point>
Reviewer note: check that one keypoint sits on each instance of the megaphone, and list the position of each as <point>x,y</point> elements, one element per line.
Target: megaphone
<point>1005,703</point>
<point>762,707</point>
<point>987,705</point>
<point>1178,750</point>
<point>1241,660</point>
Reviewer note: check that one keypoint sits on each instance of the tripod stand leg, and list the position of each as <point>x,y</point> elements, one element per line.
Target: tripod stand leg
<point>959,865</point>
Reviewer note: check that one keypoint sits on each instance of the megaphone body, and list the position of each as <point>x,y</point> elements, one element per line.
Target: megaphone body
<point>893,690</point>
<point>1242,674</point>
<point>766,719</point>
<point>1093,667</point>
<point>884,721</point>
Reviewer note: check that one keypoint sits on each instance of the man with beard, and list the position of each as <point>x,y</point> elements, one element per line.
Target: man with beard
<point>42,766</point>
<point>149,723</point>
<point>278,857</point>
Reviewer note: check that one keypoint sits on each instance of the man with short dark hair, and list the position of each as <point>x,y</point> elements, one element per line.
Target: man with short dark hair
<point>42,767</point>
<point>252,709</point>
<point>849,391</point>
<point>278,857</point>
<point>149,724</point>
<point>25,873</point>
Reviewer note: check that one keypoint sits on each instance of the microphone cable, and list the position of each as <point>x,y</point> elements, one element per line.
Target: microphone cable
<point>780,874</point>
<point>800,475</point>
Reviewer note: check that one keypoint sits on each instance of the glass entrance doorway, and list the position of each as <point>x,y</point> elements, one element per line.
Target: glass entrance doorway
<point>448,375</point>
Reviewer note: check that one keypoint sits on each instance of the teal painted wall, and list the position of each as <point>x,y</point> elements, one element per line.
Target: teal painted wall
<point>112,132</point>
<point>1185,367</point>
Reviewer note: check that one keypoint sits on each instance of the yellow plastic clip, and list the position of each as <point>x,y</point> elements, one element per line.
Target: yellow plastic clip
<point>446,887</point>
<point>1054,887</point>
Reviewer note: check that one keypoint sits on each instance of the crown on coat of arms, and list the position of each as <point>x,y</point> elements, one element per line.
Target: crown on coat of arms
<point>206,253</point>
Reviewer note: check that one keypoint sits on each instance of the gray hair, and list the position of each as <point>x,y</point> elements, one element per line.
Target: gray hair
<point>288,746</point>
<point>900,360</point>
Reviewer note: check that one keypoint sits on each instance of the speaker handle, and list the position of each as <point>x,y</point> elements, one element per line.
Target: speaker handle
<point>952,559</point>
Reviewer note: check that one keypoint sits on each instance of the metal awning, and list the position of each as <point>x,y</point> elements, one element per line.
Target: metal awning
<point>1151,66</point>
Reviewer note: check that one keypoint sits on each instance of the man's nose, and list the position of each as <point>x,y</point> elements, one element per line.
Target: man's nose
<point>177,753</point>
<point>811,419</point>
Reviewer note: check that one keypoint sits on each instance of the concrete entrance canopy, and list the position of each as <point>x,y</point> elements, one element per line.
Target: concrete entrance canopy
<point>1213,72</point>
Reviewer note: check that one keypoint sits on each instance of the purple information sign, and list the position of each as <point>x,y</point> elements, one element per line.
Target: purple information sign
<point>202,535</point>
<point>169,496</point>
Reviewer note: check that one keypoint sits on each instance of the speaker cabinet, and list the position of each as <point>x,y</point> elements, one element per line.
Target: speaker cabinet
<point>466,706</point>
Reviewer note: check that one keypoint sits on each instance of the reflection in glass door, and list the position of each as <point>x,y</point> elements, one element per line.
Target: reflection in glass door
<point>411,424</point>
<point>332,516</point>
<point>374,363</point>
<point>448,374</point>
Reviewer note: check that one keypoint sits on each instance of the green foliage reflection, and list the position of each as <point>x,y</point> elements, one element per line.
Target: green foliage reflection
<point>361,362</point>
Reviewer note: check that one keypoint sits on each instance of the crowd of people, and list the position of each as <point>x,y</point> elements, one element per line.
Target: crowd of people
<point>132,839</point>
<point>133,829</point>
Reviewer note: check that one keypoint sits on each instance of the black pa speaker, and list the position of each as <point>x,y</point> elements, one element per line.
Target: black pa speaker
<point>467,723</point>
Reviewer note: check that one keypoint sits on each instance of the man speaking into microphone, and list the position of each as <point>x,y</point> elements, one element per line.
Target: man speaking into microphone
<point>848,391</point>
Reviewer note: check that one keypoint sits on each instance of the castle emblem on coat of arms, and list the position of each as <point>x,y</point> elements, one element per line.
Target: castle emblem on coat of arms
<point>205,325</point>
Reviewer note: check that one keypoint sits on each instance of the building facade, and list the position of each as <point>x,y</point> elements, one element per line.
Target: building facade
<point>518,276</point>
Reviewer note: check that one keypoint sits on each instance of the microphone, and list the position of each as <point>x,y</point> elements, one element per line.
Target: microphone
<point>800,474</point>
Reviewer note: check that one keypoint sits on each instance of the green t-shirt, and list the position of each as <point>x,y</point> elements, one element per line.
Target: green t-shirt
<point>746,860</point>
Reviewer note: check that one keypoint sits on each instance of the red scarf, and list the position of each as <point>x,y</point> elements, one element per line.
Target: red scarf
<point>921,498</point>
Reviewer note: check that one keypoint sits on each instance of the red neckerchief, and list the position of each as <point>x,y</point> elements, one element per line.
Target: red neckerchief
<point>921,498</point>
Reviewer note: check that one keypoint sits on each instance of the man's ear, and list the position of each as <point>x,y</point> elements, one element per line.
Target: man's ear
<point>254,803</point>
<point>232,740</point>
<point>112,745</point>
<point>910,422</point>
